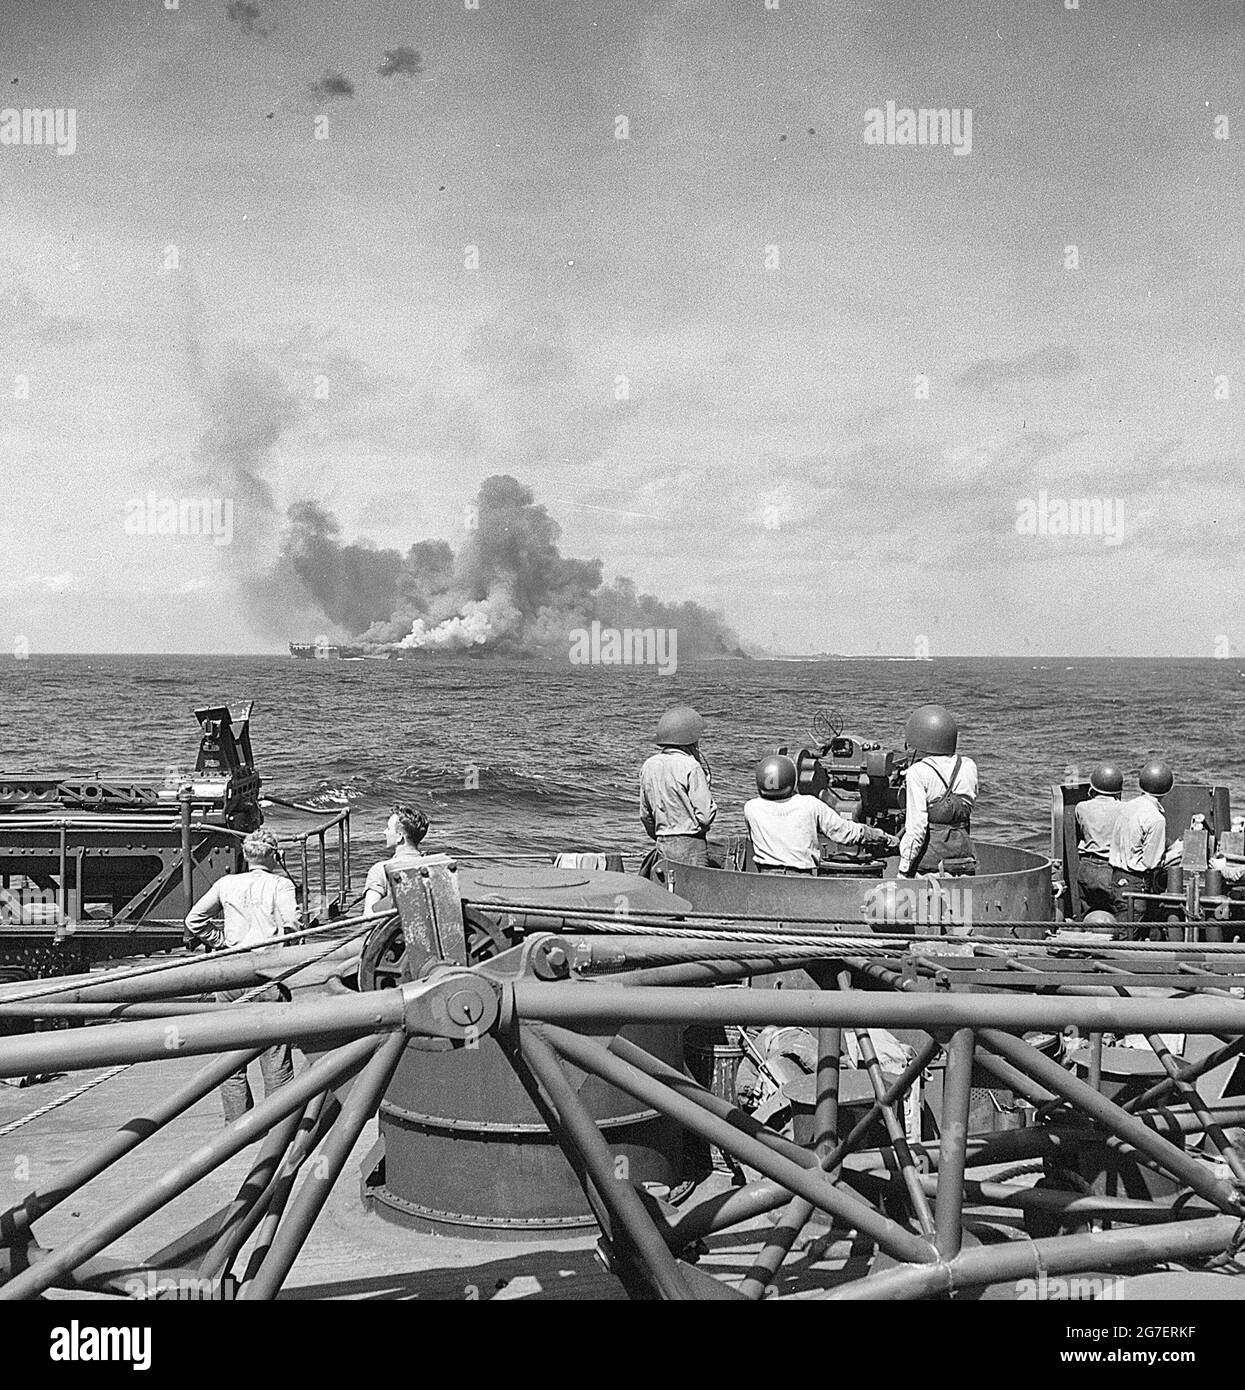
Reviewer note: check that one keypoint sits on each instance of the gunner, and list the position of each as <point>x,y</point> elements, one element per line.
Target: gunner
<point>1095,825</point>
<point>941,789</point>
<point>784,826</point>
<point>676,798</point>
<point>1139,840</point>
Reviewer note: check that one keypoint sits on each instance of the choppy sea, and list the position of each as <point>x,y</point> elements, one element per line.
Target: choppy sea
<point>517,755</point>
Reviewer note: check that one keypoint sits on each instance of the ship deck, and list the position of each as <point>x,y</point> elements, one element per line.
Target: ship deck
<point>351,1253</point>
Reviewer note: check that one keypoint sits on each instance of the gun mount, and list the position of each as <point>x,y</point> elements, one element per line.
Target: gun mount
<point>858,778</point>
<point>1189,898</point>
<point>108,865</point>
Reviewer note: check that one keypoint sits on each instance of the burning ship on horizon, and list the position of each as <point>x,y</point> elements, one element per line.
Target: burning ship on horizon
<point>336,651</point>
<point>508,591</point>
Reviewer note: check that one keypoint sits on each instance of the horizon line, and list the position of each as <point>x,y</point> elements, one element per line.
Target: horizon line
<point>702,660</point>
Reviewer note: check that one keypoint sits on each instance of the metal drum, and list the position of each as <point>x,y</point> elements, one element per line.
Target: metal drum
<point>463,1149</point>
<point>713,1055</point>
<point>1010,885</point>
<point>1126,1071</point>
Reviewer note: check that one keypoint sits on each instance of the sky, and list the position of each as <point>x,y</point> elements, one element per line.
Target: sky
<point>641,257</point>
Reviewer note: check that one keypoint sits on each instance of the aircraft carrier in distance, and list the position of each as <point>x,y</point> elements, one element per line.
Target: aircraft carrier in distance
<point>332,651</point>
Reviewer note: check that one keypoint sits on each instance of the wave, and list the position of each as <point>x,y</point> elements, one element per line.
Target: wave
<point>492,782</point>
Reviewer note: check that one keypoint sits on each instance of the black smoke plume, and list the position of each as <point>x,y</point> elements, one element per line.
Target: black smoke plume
<point>332,84</point>
<point>245,14</point>
<point>509,589</point>
<point>401,62</point>
<point>247,408</point>
<point>349,582</point>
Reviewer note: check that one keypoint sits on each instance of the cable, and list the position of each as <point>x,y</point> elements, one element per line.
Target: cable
<point>107,1075</point>
<point>65,1099</point>
<point>640,922</point>
<point>1018,1170</point>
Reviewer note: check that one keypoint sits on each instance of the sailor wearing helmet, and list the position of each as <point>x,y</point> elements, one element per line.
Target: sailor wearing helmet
<point>676,801</point>
<point>941,788</point>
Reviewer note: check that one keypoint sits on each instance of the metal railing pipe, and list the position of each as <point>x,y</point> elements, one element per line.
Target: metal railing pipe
<point>630,1216</point>
<point>956,1096</point>
<point>251,1025</point>
<point>131,1134</point>
<point>805,1180</point>
<point>292,1096</point>
<point>359,1106</point>
<point>588,1003</point>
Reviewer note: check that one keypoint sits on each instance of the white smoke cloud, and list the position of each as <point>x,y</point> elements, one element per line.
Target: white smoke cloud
<point>481,621</point>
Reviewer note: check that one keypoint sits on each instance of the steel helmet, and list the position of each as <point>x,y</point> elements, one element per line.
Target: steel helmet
<point>931,729</point>
<point>1156,778</point>
<point>776,777</point>
<point>679,728</point>
<point>1099,918</point>
<point>1107,779</point>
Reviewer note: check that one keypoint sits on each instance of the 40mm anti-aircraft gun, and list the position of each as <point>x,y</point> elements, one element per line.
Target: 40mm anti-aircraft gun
<point>859,778</point>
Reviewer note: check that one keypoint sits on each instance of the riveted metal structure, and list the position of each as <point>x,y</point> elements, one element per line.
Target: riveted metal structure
<point>93,868</point>
<point>462,1145</point>
<point>1011,885</point>
<point>1096,1185</point>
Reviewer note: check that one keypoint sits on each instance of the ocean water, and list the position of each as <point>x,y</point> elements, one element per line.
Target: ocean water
<point>508,756</point>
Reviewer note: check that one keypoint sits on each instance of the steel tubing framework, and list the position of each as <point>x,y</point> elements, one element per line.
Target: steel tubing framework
<point>874,1183</point>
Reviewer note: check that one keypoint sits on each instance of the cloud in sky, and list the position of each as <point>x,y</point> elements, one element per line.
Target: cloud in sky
<point>1042,364</point>
<point>65,583</point>
<point>26,319</point>
<point>494,282</point>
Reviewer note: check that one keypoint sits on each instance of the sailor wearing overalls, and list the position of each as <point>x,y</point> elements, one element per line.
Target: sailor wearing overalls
<point>941,788</point>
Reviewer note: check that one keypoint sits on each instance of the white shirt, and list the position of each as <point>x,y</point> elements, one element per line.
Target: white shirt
<point>1139,839</point>
<point>922,785</point>
<point>785,832</point>
<point>257,906</point>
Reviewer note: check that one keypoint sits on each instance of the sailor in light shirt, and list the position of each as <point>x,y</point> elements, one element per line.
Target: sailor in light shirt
<point>785,834</point>
<point>941,791</point>
<point>1139,841</point>
<point>676,799</point>
<point>785,827</point>
<point>255,907</point>
<point>1095,819</point>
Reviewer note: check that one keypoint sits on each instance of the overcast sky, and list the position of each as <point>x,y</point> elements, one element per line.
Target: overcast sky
<point>742,355</point>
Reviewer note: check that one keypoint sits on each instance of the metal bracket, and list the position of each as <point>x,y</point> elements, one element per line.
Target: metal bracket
<point>430,909</point>
<point>545,956</point>
<point>1193,857</point>
<point>453,1003</point>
